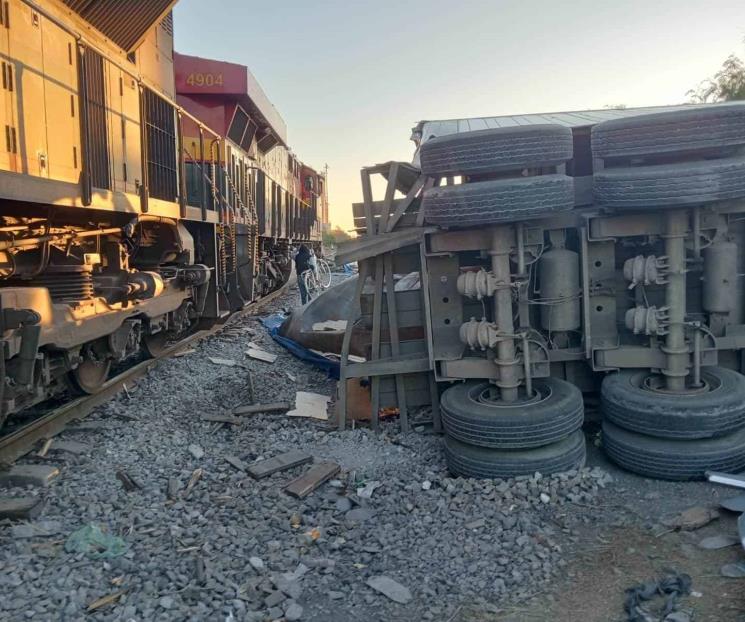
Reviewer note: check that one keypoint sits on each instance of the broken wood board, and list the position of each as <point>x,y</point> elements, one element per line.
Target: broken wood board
<point>261,355</point>
<point>20,508</point>
<point>288,460</point>
<point>302,486</point>
<point>333,325</point>
<point>221,419</point>
<point>236,462</point>
<point>253,409</point>
<point>225,362</point>
<point>310,405</point>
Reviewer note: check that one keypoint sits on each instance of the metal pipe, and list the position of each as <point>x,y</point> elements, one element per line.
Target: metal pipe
<point>697,357</point>
<point>523,281</point>
<point>508,381</point>
<point>56,237</point>
<point>675,300</point>
<point>526,364</point>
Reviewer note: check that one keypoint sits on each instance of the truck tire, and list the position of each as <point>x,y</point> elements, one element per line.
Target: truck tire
<point>468,418</point>
<point>719,127</point>
<point>502,200</point>
<point>494,150</point>
<point>720,411</point>
<point>479,462</point>
<point>671,185</point>
<point>673,459</point>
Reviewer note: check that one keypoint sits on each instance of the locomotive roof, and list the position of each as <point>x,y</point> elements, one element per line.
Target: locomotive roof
<point>125,22</point>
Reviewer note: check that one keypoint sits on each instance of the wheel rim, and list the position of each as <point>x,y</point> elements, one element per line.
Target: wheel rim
<point>90,375</point>
<point>488,395</point>
<point>655,383</point>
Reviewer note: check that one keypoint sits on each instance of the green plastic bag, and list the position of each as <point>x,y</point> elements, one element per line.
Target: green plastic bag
<point>96,544</point>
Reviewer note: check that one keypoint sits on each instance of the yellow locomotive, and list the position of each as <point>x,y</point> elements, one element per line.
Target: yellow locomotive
<point>126,219</point>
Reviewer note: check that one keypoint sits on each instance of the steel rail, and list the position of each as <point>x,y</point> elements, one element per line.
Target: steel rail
<point>22,441</point>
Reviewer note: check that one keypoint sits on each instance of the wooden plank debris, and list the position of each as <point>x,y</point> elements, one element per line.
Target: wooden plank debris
<point>45,448</point>
<point>105,600</point>
<point>20,475</point>
<point>21,508</point>
<point>253,409</point>
<point>225,362</point>
<point>130,484</point>
<point>310,405</point>
<point>221,419</point>
<point>302,486</point>
<point>236,462</point>
<point>178,355</point>
<point>288,460</point>
<point>195,477</point>
<point>261,355</point>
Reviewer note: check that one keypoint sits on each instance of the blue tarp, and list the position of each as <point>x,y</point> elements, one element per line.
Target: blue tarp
<point>273,323</point>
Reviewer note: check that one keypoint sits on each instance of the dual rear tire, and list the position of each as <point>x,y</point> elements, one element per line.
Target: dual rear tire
<point>488,438</point>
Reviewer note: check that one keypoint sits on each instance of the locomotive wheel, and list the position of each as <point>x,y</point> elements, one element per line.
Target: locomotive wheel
<point>501,200</point>
<point>630,400</point>
<point>88,377</point>
<point>494,150</point>
<point>155,345</point>
<point>552,413</point>
<point>718,127</point>
<point>484,463</point>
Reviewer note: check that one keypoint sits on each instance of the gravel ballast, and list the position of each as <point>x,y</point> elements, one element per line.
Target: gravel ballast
<point>421,546</point>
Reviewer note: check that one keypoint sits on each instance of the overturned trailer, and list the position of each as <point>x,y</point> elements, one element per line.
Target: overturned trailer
<point>561,254</point>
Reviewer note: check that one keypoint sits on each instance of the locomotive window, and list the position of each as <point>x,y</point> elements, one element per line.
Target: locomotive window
<point>238,126</point>
<point>248,137</point>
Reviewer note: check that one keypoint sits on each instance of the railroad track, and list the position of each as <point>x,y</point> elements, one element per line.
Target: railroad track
<point>22,440</point>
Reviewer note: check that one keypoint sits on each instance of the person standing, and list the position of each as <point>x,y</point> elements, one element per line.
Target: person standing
<point>302,263</point>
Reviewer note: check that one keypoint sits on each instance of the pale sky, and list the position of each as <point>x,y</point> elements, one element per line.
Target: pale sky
<point>352,78</point>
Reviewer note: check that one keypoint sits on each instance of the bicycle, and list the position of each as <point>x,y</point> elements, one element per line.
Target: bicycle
<point>323,275</point>
<point>312,286</point>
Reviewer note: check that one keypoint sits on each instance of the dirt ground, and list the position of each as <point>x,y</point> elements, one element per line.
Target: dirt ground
<point>627,543</point>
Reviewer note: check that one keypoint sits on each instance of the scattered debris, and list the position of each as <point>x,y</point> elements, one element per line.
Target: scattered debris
<point>225,362</point>
<point>292,377</point>
<point>670,587</point>
<point>95,543</point>
<point>105,600</point>
<point>712,543</point>
<point>426,484</point>
<point>312,479</point>
<point>734,504</point>
<point>20,508</point>
<point>236,462</point>
<point>21,475</point>
<point>174,486</point>
<point>195,477</point>
<point>390,588</point>
<point>187,352</point>
<point>733,571</point>
<point>366,491</point>
<point>39,529</point>
<point>728,479</point>
<point>228,419</point>
<point>196,451</point>
<point>311,405</point>
<point>45,448</point>
<point>264,468</point>
<point>261,355</point>
<point>693,518</point>
<point>253,409</point>
<point>329,325</point>
<point>130,485</point>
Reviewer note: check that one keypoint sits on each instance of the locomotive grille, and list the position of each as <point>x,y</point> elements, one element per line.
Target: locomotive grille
<point>65,283</point>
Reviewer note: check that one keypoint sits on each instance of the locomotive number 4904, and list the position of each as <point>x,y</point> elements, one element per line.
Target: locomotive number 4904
<point>205,79</point>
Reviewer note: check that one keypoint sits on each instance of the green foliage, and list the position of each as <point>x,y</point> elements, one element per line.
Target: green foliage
<point>728,84</point>
<point>334,237</point>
